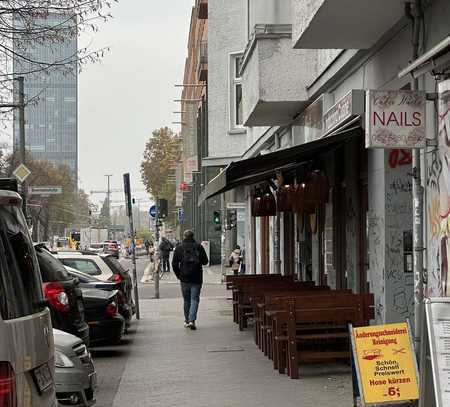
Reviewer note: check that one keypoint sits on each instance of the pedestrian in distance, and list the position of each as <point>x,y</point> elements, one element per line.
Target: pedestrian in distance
<point>147,246</point>
<point>165,247</point>
<point>187,263</point>
<point>235,260</point>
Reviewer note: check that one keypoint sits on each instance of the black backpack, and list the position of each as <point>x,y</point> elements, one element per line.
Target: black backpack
<point>191,257</point>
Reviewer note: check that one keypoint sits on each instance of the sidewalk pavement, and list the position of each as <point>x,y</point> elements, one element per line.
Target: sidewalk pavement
<point>215,366</point>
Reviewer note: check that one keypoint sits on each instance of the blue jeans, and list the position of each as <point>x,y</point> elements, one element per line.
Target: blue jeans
<point>191,297</point>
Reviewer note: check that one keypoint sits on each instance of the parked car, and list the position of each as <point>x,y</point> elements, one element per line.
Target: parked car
<point>63,294</point>
<point>75,375</point>
<point>27,347</point>
<point>106,325</point>
<point>104,267</point>
<point>87,281</point>
<point>111,247</point>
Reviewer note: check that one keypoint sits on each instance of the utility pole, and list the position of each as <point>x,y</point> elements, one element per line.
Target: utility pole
<point>157,253</point>
<point>108,197</point>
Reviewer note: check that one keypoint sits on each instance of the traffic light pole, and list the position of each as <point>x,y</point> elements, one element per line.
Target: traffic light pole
<point>157,253</point>
<point>127,189</point>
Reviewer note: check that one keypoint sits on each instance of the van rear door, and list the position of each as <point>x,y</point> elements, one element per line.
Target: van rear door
<point>26,339</point>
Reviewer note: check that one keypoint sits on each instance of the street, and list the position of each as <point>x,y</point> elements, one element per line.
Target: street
<point>159,363</point>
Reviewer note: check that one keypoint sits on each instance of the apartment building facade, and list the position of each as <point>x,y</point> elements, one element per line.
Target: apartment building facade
<point>303,73</point>
<point>194,131</point>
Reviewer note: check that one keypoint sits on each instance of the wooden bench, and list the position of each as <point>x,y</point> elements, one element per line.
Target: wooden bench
<point>243,296</point>
<point>263,301</point>
<point>232,279</point>
<point>240,283</point>
<point>315,327</point>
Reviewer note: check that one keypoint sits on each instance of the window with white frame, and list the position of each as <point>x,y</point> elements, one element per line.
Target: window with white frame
<point>236,120</point>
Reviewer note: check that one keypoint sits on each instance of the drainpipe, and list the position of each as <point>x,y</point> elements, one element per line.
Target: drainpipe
<point>276,230</point>
<point>416,17</point>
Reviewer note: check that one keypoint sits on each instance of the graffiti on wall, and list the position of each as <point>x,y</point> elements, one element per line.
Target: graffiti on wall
<point>438,203</point>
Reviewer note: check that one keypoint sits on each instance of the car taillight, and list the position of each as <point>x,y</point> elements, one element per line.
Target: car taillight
<point>8,395</point>
<point>111,309</point>
<point>116,278</point>
<point>56,296</point>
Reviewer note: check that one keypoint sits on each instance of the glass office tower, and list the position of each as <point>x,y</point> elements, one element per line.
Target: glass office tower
<point>51,114</point>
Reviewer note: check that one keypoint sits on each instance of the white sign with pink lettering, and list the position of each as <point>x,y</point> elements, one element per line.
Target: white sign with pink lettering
<point>395,119</point>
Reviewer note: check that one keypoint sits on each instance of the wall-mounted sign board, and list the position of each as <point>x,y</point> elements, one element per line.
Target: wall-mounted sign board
<point>395,119</point>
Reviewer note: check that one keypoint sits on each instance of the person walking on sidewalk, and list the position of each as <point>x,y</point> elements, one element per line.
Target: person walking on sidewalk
<point>187,263</point>
<point>235,260</point>
<point>165,247</point>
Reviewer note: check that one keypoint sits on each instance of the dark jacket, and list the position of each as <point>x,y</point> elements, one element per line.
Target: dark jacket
<point>189,272</point>
<point>165,247</point>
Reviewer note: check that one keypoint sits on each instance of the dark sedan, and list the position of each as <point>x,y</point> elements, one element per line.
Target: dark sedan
<point>88,281</point>
<point>63,295</point>
<point>106,325</point>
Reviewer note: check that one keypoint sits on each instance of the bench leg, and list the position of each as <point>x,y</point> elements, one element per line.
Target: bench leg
<point>241,319</point>
<point>292,357</point>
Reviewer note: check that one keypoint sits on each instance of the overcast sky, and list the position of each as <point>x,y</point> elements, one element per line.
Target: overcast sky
<point>131,92</point>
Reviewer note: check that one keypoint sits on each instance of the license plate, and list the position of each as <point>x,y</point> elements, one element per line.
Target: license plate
<point>43,377</point>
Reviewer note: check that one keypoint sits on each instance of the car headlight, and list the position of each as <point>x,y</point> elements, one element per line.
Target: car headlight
<point>61,360</point>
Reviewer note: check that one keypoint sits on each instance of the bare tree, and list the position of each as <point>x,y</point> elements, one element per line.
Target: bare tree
<point>26,25</point>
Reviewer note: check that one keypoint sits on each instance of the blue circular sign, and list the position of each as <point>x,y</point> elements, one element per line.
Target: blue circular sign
<point>152,211</point>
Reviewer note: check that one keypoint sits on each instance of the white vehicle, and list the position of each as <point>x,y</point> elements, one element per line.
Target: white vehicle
<point>26,338</point>
<point>91,264</point>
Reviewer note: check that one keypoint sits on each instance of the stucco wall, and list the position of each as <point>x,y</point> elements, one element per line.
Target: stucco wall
<point>302,13</point>
<point>226,34</point>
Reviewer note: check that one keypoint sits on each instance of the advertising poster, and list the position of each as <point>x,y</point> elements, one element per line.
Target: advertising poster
<point>385,362</point>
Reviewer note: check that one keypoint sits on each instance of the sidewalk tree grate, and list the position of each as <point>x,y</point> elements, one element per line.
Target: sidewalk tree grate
<point>226,349</point>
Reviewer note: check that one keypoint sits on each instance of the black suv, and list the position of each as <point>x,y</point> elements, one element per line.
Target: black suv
<point>63,295</point>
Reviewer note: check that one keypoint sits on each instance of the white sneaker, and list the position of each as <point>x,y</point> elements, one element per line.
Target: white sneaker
<point>186,324</point>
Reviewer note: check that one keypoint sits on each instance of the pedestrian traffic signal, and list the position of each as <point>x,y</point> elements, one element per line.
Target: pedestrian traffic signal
<point>216,218</point>
<point>162,208</point>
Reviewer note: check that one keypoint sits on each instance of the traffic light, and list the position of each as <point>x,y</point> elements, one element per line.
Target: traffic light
<point>217,218</point>
<point>162,208</point>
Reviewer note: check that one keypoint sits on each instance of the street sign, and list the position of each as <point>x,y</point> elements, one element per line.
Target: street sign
<point>385,363</point>
<point>44,190</point>
<point>152,211</point>
<point>180,215</point>
<point>22,172</point>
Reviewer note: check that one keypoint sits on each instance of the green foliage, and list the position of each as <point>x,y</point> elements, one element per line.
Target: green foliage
<point>55,213</point>
<point>162,152</point>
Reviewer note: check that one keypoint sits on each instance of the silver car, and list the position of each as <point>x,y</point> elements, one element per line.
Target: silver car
<point>75,376</point>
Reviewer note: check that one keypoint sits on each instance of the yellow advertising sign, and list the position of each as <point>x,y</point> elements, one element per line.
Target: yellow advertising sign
<point>387,370</point>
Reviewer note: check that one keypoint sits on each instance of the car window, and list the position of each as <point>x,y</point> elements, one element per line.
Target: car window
<point>51,268</point>
<point>113,264</point>
<point>84,265</point>
<point>20,281</point>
